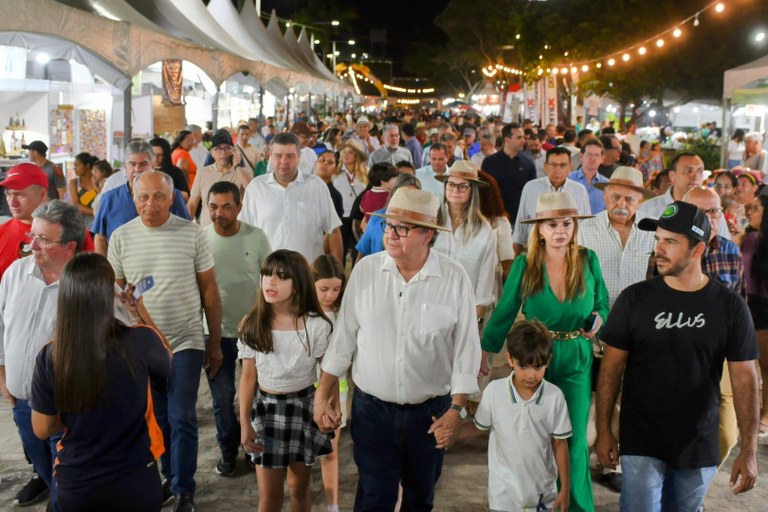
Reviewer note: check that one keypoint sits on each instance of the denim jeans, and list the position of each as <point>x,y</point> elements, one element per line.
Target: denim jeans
<point>223,398</point>
<point>41,453</point>
<point>391,446</point>
<point>650,485</point>
<point>177,417</point>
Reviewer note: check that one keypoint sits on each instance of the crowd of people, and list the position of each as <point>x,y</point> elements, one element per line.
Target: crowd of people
<point>369,269</point>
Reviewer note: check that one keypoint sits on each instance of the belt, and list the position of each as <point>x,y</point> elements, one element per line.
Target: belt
<point>402,407</point>
<point>565,335</point>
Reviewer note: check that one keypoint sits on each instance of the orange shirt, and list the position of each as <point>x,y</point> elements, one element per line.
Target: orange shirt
<point>182,154</point>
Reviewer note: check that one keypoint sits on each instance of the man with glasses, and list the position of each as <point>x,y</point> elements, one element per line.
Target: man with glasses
<point>227,166</point>
<point>28,294</point>
<point>557,166</point>
<point>686,171</point>
<point>116,206</point>
<point>407,321</point>
<point>587,174</point>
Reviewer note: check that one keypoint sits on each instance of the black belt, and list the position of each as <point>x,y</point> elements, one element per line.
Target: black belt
<point>402,407</point>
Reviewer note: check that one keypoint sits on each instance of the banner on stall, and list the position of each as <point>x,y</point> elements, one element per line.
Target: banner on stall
<point>173,82</point>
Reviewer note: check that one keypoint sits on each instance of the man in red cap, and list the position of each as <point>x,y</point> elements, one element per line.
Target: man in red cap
<point>26,188</point>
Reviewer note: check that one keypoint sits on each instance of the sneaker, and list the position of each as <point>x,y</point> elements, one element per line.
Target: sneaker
<point>249,461</point>
<point>614,480</point>
<point>167,493</point>
<point>33,492</point>
<point>226,466</point>
<point>185,502</point>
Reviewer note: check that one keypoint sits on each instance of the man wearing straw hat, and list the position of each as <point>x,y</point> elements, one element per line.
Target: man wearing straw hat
<point>408,323</point>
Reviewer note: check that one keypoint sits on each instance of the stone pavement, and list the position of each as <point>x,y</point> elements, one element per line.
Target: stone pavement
<point>462,486</point>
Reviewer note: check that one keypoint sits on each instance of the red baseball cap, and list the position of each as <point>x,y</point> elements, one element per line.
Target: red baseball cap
<point>24,175</point>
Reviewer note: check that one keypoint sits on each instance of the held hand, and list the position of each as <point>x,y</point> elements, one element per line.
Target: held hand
<point>248,439</point>
<point>744,472</point>
<point>327,414</point>
<point>213,359</point>
<point>607,450</point>
<point>598,322</point>
<point>562,501</point>
<point>449,423</point>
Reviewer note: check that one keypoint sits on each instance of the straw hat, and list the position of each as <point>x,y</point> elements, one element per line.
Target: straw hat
<point>363,120</point>
<point>463,169</point>
<point>355,146</point>
<point>555,205</point>
<point>627,177</point>
<point>414,206</point>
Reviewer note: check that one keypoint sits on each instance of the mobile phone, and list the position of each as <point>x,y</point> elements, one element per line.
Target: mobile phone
<point>143,286</point>
<point>594,323</point>
<point>268,443</point>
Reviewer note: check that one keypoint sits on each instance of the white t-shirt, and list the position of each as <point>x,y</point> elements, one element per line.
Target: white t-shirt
<point>522,472</point>
<point>736,150</point>
<point>292,364</point>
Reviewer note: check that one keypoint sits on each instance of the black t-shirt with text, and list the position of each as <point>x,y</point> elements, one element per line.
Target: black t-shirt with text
<point>677,342</point>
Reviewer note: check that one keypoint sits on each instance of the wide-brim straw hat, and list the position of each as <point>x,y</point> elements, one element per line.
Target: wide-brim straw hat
<point>355,146</point>
<point>627,177</point>
<point>555,205</point>
<point>414,206</point>
<point>463,169</point>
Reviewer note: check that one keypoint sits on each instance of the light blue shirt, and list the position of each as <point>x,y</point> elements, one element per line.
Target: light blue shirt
<point>428,182</point>
<point>596,199</point>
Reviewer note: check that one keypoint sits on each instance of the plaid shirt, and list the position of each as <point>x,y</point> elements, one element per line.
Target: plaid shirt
<point>721,261</point>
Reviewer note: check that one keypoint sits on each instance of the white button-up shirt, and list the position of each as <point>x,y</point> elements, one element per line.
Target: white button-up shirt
<point>528,198</point>
<point>294,217</point>
<point>409,341</point>
<point>653,208</point>
<point>621,266</point>
<point>428,182</point>
<point>27,321</point>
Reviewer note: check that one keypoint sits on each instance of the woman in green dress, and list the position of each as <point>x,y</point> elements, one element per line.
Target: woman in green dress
<point>560,284</point>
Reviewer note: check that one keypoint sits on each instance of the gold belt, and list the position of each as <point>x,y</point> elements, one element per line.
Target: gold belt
<point>565,335</point>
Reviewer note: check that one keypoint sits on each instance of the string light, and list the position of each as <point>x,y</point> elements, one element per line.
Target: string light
<point>585,68</point>
<point>641,47</point>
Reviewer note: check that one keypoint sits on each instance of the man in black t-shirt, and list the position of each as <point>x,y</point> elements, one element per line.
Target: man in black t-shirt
<point>670,336</point>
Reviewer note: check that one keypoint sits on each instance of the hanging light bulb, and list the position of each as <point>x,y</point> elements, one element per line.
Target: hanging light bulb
<point>677,32</point>
<point>574,70</point>
<point>641,50</point>
<point>564,71</point>
<point>555,71</point>
<point>598,65</point>
<point>659,42</point>
<point>585,68</point>
<point>720,7</point>
<point>625,57</point>
<point>696,20</point>
<point>611,62</point>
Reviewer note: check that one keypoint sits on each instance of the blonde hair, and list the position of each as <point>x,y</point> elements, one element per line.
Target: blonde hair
<point>360,170</point>
<point>533,278</point>
<point>474,218</point>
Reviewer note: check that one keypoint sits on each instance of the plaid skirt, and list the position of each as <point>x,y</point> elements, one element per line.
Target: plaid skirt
<point>284,425</point>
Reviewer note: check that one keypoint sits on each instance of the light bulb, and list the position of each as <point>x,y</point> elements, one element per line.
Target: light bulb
<point>696,20</point>
<point>641,50</point>
<point>659,43</point>
<point>677,32</point>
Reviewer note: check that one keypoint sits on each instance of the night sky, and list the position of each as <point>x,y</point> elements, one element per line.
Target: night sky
<point>405,22</point>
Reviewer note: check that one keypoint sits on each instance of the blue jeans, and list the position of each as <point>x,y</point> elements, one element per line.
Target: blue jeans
<point>41,453</point>
<point>176,415</point>
<point>650,485</point>
<point>223,398</point>
<point>391,446</point>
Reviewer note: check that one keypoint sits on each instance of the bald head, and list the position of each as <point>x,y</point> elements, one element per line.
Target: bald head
<point>708,200</point>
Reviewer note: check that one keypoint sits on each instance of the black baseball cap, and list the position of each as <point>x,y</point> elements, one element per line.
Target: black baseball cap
<point>36,145</point>
<point>221,137</point>
<point>682,218</point>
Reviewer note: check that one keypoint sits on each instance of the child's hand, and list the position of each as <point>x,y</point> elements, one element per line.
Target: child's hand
<point>248,439</point>
<point>562,501</point>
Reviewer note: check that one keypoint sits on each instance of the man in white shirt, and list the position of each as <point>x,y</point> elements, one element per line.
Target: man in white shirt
<point>198,152</point>
<point>487,148</point>
<point>391,151</point>
<point>256,138</point>
<point>686,172</point>
<point>438,163</point>
<point>363,136</point>
<point>408,323</point>
<point>293,209</point>
<point>557,167</point>
<point>28,294</point>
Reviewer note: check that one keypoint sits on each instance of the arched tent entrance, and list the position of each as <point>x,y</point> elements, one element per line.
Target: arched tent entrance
<point>240,97</point>
<point>60,92</point>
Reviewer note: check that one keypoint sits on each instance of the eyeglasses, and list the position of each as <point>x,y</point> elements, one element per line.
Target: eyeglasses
<point>41,239</point>
<point>223,149</point>
<point>722,186</point>
<point>714,212</point>
<point>461,187</point>
<point>629,200</point>
<point>400,230</point>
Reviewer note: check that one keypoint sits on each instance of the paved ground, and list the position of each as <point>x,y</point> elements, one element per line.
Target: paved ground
<point>462,486</point>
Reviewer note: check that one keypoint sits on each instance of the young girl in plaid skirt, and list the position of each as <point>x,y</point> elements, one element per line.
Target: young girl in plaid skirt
<point>281,341</point>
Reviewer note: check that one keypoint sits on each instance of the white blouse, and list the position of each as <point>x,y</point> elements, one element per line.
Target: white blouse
<point>349,192</point>
<point>292,364</point>
<point>478,257</point>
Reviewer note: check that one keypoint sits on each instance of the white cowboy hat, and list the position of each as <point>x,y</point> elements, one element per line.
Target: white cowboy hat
<point>417,207</point>
<point>555,205</point>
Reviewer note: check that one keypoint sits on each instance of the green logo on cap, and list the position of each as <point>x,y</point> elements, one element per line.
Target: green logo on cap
<point>670,211</point>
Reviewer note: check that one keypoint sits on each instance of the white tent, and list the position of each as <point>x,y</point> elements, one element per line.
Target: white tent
<point>746,85</point>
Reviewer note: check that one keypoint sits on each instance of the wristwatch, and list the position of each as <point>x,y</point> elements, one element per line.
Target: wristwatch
<point>461,410</point>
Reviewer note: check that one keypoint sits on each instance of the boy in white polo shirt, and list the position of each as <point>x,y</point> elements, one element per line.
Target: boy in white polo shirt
<point>529,427</point>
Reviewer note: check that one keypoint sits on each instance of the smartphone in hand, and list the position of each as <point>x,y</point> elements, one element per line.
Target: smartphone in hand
<point>143,286</point>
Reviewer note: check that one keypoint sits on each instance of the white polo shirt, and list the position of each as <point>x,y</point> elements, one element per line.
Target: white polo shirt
<point>521,463</point>
<point>295,217</point>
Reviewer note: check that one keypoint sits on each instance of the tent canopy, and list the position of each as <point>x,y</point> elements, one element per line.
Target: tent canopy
<point>747,83</point>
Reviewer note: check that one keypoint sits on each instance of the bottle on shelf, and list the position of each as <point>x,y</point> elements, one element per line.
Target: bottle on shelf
<point>2,147</point>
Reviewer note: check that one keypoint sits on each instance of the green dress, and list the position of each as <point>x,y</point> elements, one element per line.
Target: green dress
<point>571,365</point>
